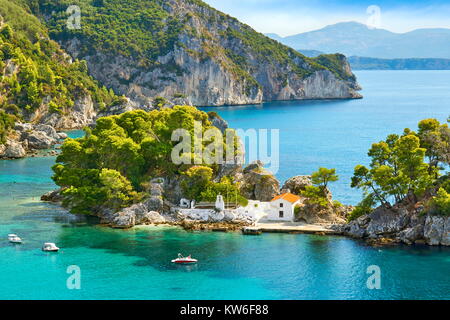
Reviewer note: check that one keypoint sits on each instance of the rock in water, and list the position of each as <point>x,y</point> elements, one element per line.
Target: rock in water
<point>14,150</point>
<point>38,140</point>
<point>137,214</point>
<point>434,230</point>
<point>402,224</point>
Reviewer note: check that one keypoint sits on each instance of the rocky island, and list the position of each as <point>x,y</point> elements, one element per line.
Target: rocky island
<point>145,187</point>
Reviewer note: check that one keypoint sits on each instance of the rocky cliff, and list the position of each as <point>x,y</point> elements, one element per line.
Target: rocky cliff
<point>42,86</point>
<point>184,49</point>
<point>409,225</point>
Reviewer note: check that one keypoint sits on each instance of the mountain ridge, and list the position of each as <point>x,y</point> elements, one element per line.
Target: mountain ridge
<point>207,57</point>
<point>356,39</point>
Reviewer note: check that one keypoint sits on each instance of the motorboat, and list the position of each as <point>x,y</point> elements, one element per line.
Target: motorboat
<point>184,260</point>
<point>49,247</point>
<point>13,238</point>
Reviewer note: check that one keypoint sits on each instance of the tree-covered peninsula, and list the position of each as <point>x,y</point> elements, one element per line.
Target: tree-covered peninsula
<point>40,84</point>
<point>406,188</point>
<point>112,165</point>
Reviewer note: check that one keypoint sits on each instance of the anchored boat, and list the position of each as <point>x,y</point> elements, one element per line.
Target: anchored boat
<point>184,260</point>
<point>50,247</point>
<point>13,238</point>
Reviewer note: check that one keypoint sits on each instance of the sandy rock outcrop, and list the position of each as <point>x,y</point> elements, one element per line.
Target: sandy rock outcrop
<point>13,150</point>
<point>258,183</point>
<point>297,184</point>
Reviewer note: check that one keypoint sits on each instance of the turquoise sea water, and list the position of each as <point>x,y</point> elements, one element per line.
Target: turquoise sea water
<point>135,264</point>
<point>338,134</point>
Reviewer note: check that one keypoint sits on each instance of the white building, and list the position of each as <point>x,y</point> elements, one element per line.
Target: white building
<point>220,204</point>
<point>282,207</point>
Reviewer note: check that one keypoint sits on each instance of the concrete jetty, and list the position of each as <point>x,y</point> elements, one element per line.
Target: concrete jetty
<point>293,227</point>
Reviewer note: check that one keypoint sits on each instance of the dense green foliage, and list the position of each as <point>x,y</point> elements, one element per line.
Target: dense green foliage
<point>17,14</point>
<point>148,29</point>
<point>398,171</point>
<point>440,204</point>
<point>197,180</point>
<point>317,193</point>
<point>435,138</point>
<point>131,28</point>
<point>133,147</point>
<point>6,123</point>
<point>35,71</point>
<point>335,63</point>
<point>198,185</point>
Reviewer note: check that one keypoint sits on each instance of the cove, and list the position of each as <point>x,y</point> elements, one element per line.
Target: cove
<point>135,264</point>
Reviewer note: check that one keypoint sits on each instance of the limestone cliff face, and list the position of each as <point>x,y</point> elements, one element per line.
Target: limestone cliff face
<point>82,114</point>
<point>216,60</point>
<point>401,224</point>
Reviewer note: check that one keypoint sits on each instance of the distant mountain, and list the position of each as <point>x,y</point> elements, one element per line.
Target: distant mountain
<point>365,63</point>
<point>368,63</point>
<point>356,39</point>
<point>311,53</point>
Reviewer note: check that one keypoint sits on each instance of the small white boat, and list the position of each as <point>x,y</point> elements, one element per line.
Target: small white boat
<point>184,260</point>
<point>49,247</point>
<point>13,238</point>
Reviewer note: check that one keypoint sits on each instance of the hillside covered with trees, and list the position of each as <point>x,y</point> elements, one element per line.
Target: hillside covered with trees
<point>185,48</point>
<point>36,72</point>
<point>406,169</point>
<point>112,165</point>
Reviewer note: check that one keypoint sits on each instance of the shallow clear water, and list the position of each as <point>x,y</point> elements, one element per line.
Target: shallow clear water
<point>135,264</point>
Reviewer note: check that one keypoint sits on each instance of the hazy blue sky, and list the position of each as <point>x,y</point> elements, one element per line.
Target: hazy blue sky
<point>287,17</point>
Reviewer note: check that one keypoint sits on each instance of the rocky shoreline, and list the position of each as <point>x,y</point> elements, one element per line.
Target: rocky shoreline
<point>27,140</point>
<point>401,224</point>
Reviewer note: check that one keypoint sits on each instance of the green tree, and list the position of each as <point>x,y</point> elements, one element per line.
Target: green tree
<point>7,122</point>
<point>435,138</point>
<point>397,170</point>
<point>323,177</point>
<point>196,181</point>
<point>440,204</point>
<point>318,192</point>
<point>118,190</point>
